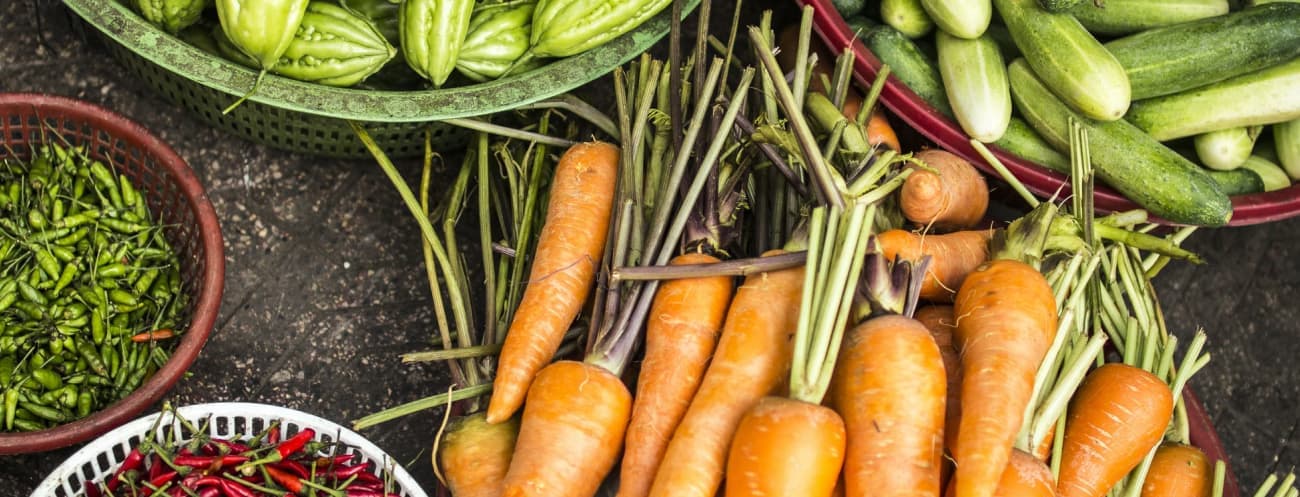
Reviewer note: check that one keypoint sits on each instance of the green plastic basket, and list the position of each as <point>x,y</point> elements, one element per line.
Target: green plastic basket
<point>313,119</point>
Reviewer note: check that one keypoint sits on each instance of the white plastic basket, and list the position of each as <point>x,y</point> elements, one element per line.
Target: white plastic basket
<point>227,419</point>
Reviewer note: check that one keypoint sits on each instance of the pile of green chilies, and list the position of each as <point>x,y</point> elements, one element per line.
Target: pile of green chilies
<point>89,288</point>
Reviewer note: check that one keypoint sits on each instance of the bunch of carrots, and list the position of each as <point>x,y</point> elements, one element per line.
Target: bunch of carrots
<point>744,284</point>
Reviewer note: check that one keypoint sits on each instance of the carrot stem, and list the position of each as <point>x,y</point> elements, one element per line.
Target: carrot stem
<point>578,107</point>
<point>420,405</point>
<point>821,171</point>
<point>506,131</point>
<point>731,267</point>
<point>1005,173</point>
<point>485,238</point>
<point>873,95</point>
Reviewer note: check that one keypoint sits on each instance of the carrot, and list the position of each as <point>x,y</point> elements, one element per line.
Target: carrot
<point>752,358</point>
<point>569,248</point>
<point>811,434</point>
<point>890,389</point>
<point>1117,415</point>
<point>681,334</point>
<point>953,256</point>
<point>1179,470</point>
<point>474,455</point>
<point>879,130</point>
<point>940,322</point>
<point>571,431</point>
<point>1006,320</point>
<point>951,195</point>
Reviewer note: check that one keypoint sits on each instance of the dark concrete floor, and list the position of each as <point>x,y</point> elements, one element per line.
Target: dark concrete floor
<point>324,286</point>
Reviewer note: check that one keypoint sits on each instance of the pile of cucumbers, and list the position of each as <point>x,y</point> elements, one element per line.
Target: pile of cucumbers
<point>409,44</point>
<point>1186,102</point>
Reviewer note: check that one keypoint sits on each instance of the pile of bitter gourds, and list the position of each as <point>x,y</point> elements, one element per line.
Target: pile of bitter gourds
<point>408,43</point>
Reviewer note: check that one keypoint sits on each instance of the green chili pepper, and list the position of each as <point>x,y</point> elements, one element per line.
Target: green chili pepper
<point>11,407</point>
<point>31,294</point>
<point>36,219</point>
<point>102,176</point>
<point>84,401</point>
<point>432,33</point>
<point>92,357</point>
<point>114,270</point>
<point>122,297</point>
<point>122,226</point>
<point>47,262</point>
<point>43,412</point>
<point>48,379</point>
<point>76,236</point>
<point>78,219</point>
<point>49,235</point>
<point>97,329</point>
<point>65,278</point>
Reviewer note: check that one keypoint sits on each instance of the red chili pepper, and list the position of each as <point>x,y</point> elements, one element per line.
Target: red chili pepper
<point>365,477</point>
<point>289,481</point>
<point>156,466</point>
<point>162,479</point>
<point>134,458</point>
<point>294,467</point>
<point>234,489</point>
<point>369,493</point>
<point>210,463</point>
<point>222,447</point>
<point>345,472</point>
<point>326,462</point>
<point>210,492</point>
<point>273,435</point>
<point>92,490</point>
<point>295,443</point>
<point>150,336</point>
<point>203,481</point>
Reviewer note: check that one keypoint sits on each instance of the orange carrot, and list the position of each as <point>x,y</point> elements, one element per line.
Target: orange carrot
<point>569,248</point>
<point>474,455</point>
<point>890,389</point>
<point>880,131</point>
<point>752,358</point>
<point>1117,415</point>
<point>951,196</point>
<point>952,257</point>
<point>1179,470</point>
<point>811,434</point>
<point>1024,476</point>
<point>1006,320</point>
<point>681,334</point>
<point>941,323</point>
<point>571,432</point>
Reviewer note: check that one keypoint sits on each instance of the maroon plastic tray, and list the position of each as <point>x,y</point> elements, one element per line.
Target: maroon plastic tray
<point>1246,209</point>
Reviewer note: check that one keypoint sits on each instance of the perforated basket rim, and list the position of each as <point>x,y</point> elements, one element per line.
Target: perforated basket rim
<point>121,437</point>
<point>117,21</point>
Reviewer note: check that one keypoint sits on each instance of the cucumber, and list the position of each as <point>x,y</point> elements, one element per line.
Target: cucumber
<point>1025,143</point>
<point>862,26</point>
<point>1150,174</point>
<point>1286,141</point>
<point>960,18</point>
<point>1006,45</point>
<point>1058,5</point>
<point>1226,149</point>
<point>910,65</point>
<point>975,80</point>
<point>1239,181</point>
<point>849,8</point>
<point>1124,17</point>
<point>1172,59</point>
<point>907,16</point>
<point>1263,97</point>
<point>1272,174</point>
<point>1068,59</point>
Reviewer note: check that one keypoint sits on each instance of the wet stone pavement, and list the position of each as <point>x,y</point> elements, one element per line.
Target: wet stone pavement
<point>325,286</point>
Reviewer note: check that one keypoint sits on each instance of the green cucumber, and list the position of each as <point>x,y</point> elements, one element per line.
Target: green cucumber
<point>1263,97</point>
<point>1226,149</point>
<point>1058,5</point>
<point>1239,181</point>
<point>1124,17</point>
<point>1286,140</point>
<point>975,80</point>
<point>960,18</point>
<point>907,16</point>
<point>1172,59</point>
<point>1068,59</point>
<point>1145,171</point>
<point>849,8</point>
<point>1023,142</point>
<point>1272,174</point>
<point>862,26</point>
<point>1006,45</point>
<point>910,65</point>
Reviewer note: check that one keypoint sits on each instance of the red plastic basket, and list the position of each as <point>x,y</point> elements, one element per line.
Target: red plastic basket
<point>175,196</point>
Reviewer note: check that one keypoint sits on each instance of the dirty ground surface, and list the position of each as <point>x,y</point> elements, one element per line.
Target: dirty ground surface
<point>324,283</point>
